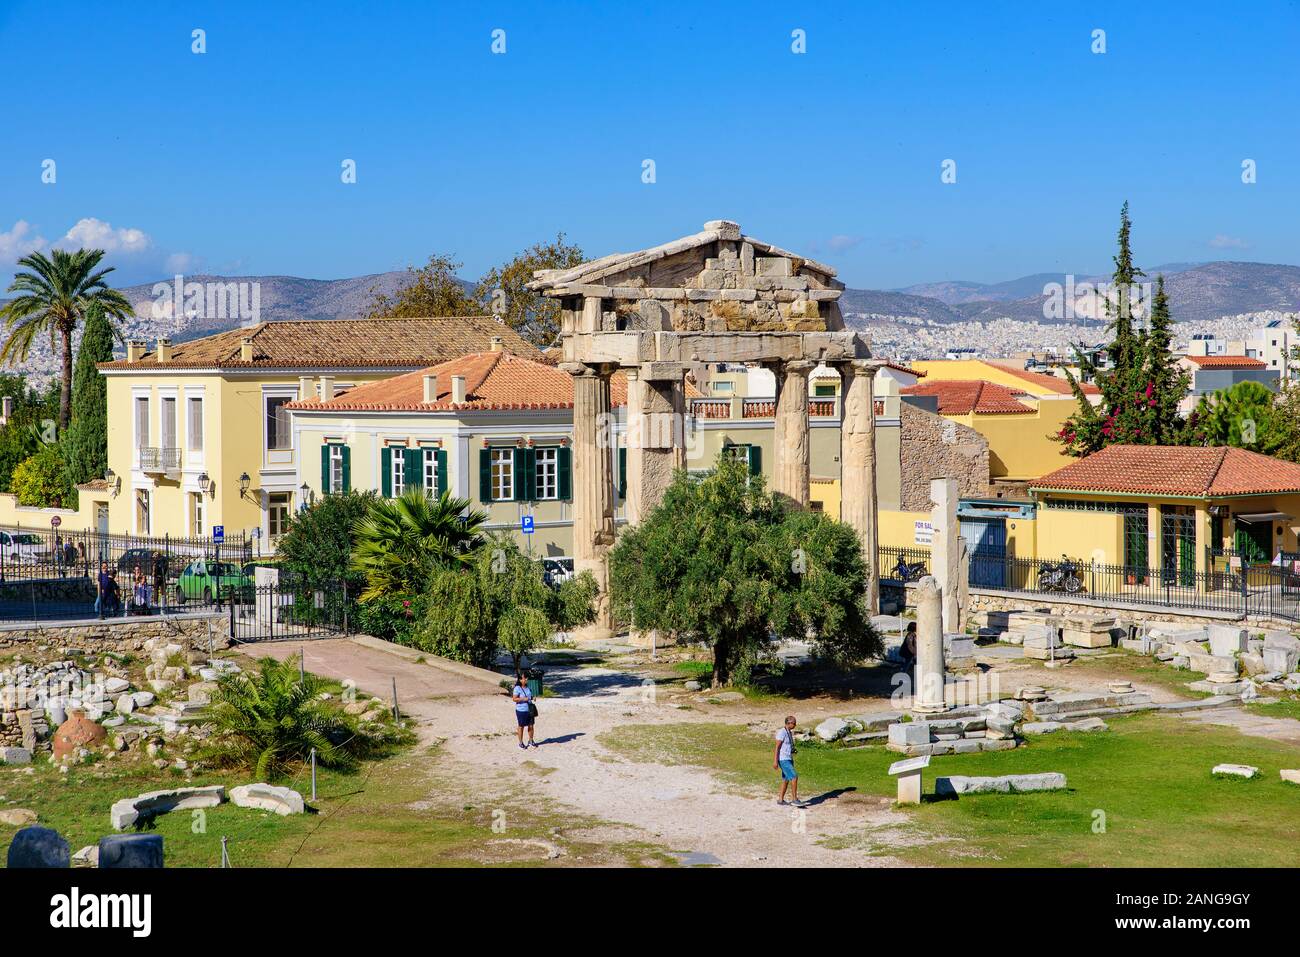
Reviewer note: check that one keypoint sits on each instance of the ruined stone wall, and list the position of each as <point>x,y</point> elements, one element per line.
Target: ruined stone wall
<point>122,635</point>
<point>934,447</point>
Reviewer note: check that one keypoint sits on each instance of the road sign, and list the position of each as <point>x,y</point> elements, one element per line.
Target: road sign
<point>218,533</point>
<point>55,521</point>
<point>526,524</point>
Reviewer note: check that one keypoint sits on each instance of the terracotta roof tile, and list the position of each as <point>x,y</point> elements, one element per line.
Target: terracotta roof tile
<point>493,380</point>
<point>962,396</point>
<point>1175,470</point>
<point>339,343</point>
<point>1227,362</point>
<point>1041,380</point>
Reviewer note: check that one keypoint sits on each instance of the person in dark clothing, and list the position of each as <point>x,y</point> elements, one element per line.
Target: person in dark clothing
<point>907,651</point>
<point>105,585</point>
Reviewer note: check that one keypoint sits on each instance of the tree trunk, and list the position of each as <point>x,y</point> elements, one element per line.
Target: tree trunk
<point>720,668</point>
<point>65,390</point>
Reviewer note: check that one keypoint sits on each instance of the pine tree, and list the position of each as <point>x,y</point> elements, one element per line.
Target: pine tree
<point>1141,387</point>
<point>86,441</point>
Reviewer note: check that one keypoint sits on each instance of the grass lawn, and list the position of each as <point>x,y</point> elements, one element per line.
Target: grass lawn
<point>402,811</point>
<point>1286,706</point>
<point>1149,775</point>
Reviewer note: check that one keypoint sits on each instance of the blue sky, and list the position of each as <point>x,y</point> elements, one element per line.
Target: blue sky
<point>230,161</point>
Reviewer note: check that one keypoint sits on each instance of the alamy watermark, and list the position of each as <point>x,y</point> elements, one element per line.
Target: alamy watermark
<point>207,300</point>
<point>1096,300</point>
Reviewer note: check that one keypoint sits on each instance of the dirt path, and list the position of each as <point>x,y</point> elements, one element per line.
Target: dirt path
<point>682,809</point>
<point>1286,730</point>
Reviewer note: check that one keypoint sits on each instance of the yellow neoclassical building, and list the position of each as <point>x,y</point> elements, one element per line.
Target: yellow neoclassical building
<point>200,432</point>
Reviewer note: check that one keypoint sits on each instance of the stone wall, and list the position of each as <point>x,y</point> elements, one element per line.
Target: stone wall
<point>934,447</point>
<point>121,635</point>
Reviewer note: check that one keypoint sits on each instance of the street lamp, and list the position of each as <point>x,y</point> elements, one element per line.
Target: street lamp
<point>207,485</point>
<point>243,484</point>
<point>306,498</point>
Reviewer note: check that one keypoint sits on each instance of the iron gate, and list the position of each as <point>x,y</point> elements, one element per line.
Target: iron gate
<point>286,611</point>
<point>986,542</point>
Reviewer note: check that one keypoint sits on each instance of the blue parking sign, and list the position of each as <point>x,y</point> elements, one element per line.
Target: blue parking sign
<point>218,533</point>
<point>526,524</point>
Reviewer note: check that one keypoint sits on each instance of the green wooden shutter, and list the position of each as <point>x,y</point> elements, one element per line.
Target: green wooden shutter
<point>755,460</point>
<point>622,472</point>
<point>522,491</point>
<point>325,470</point>
<point>413,474</point>
<point>442,470</point>
<point>347,469</point>
<point>564,464</point>
<point>386,471</point>
<point>485,475</point>
<point>530,478</point>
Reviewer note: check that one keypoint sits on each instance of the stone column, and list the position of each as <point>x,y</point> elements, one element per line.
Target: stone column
<point>593,501</point>
<point>945,550</point>
<point>655,434</point>
<point>858,499</point>
<point>790,468</point>
<point>927,696</point>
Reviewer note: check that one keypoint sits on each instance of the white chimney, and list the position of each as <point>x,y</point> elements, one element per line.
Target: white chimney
<point>430,389</point>
<point>245,350</point>
<point>306,388</point>
<point>458,389</point>
<point>326,388</point>
<point>498,344</point>
<point>164,352</point>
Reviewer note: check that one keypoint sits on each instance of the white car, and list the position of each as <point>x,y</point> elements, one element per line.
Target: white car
<point>26,548</point>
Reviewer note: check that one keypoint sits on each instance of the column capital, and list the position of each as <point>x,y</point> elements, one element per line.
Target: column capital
<point>786,366</point>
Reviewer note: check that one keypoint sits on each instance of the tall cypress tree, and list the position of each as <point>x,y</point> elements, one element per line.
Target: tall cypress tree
<point>85,444</point>
<point>1128,409</point>
<point>1166,381</point>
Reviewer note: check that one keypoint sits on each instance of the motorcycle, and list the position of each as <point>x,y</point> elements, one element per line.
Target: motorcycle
<point>1060,576</point>
<point>906,571</point>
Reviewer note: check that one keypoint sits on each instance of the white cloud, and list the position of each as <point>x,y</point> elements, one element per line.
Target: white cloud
<point>18,242</point>
<point>92,233</point>
<point>1222,241</point>
<point>181,263</point>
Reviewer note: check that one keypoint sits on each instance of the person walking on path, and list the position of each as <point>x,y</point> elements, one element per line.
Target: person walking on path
<point>106,588</point>
<point>525,710</point>
<point>783,761</point>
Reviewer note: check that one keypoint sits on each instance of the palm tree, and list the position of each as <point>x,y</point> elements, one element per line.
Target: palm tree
<point>54,297</point>
<point>402,541</point>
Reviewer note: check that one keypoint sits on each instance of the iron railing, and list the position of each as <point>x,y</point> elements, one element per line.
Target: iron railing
<point>1268,590</point>
<point>153,459</point>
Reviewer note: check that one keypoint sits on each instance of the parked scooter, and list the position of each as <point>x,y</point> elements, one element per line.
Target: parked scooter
<point>1061,576</point>
<point>906,571</point>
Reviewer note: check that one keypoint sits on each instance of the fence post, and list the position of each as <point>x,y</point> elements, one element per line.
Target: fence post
<point>232,619</point>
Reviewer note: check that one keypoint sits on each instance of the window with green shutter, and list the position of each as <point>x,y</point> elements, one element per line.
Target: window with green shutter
<point>525,466</point>
<point>345,467</point>
<point>442,471</point>
<point>413,469</point>
<point>565,458</point>
<point>485,475</point>
<point>325,470</point>
<point>386,472</point>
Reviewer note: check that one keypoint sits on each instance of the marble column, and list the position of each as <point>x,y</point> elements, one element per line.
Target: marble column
<point>945,550</point>
<point>592,478</point>
<point>927,695</point>
<point>655,434</point>
<point>858,500</point>
<point>790,466</point>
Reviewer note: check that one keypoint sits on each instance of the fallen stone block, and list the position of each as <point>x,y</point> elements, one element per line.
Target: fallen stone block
<point>17,816</point>
<point>38,847</point>
<point>1277,658</point>
<point>1006,784</point>
<point>1236,770</point>
<point>1041,727</point>
<point>131,851</point>
<point>15,756</point>
<point>1087,724</point>
<point>876,721</point>
<point>1227,640</point>
<point>129,811</point>
<point>909,733</point>
<point>832,729</point>
<point>1208,664</point>
<point>1290,774</point>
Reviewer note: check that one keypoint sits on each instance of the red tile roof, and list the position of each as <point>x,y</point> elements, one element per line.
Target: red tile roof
<point>338,343</point>
<point>1227,362</point>
<point>493,380</point>
<point>1198,471</point>
<point>1041,380</point>
<point>962,396</point>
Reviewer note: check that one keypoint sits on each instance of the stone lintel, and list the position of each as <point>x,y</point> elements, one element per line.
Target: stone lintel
<point>636,347</point>
<point>662,371</point>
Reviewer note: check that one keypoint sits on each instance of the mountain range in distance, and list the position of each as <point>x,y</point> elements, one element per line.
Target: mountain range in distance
<point>1198,292</point>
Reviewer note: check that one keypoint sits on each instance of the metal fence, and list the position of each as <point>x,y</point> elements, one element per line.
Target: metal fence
<point>1241,588</point>
<point>48,574</point>
<point>290,610</point>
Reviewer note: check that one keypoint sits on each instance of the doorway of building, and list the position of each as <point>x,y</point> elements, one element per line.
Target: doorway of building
<point>1177,544</point>
<point>986,542</point>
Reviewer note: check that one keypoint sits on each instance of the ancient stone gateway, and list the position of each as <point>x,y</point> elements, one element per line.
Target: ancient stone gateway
<point>716,296</point>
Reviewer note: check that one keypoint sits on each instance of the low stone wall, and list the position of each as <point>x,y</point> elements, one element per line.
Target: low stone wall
<point>121,635</point>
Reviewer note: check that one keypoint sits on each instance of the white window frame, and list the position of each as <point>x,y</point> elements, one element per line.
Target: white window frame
<point>503,482</point>
<point>397,469</point>
<point>336,468</point>
<point>548,473</point>
<point>431,472</point>
<point>191,402</point>
<point>141,435</point>
<point>274,507</point>
<point>198,513</point>
<point>164,441</point>
<point>277,456</point>
<point>143,523</point>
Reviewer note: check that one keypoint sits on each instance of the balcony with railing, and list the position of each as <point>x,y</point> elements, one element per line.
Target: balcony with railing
<point>716,408</point>
<point>155,459</point>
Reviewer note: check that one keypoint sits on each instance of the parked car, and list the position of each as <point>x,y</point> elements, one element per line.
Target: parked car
<point>556,570</point>
<point>25,548</point>
<point>145,559</point>
<point>207,580</point>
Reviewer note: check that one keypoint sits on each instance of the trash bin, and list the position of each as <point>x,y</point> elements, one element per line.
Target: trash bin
<point>534,676</point>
